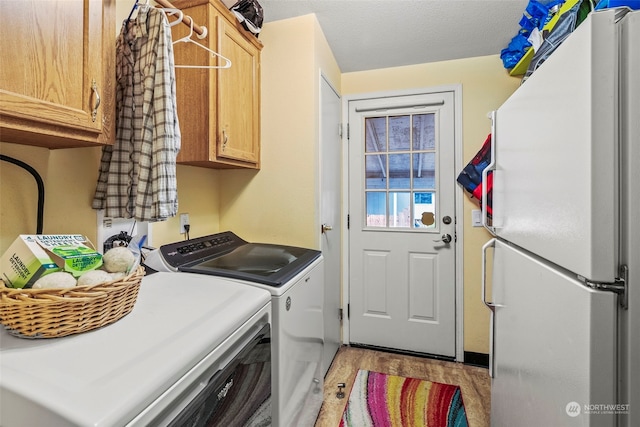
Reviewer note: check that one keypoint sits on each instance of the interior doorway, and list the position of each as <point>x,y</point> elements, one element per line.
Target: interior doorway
<point>403,291</point>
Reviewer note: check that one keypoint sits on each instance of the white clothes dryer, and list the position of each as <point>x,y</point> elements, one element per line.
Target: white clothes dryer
<point>295,278</point>
<point>194,351</point>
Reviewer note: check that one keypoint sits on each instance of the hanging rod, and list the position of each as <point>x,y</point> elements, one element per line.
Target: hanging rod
<point>201,31</point>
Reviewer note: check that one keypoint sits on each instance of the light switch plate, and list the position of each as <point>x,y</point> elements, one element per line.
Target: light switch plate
<point>476,218</point>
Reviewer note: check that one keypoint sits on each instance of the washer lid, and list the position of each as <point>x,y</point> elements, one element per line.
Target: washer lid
<point>107,376</point>
<point>270,264</point>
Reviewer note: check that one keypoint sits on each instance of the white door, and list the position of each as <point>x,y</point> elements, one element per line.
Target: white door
<point>402,223</point>
<point>331,229</point>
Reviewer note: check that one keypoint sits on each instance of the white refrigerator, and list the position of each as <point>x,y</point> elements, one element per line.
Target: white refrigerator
<point>562,274</point>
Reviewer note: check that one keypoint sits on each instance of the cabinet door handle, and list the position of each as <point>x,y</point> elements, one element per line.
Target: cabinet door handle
<point>94,113</point>
<point>225,138</point>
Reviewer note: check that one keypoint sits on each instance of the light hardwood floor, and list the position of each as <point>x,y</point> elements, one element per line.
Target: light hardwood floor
<point>474,382</point>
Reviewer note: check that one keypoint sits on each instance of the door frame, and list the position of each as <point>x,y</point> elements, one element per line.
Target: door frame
<point>458,203</point>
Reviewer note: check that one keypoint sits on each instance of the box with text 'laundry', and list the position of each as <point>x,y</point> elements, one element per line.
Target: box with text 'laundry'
<point>32,256</point>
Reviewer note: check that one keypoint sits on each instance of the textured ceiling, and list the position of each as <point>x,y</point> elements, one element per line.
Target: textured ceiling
<point>372,34</point>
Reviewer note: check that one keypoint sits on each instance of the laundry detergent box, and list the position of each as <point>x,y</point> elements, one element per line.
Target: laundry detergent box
<point>32,256</point>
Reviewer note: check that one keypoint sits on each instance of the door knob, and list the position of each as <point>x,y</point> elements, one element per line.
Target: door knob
<point>324,228</point>
<point>446,238</point>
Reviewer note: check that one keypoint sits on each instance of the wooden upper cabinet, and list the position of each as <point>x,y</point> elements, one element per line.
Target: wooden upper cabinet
<point>239,97</point>
<point>56,67</point>
<point>218,108</point>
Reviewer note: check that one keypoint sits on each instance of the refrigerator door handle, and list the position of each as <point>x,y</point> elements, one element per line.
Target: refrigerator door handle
<point>485,172</point>
<point>490,244</point>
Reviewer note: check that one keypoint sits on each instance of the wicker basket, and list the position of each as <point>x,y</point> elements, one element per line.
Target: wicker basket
<point>53,313</point>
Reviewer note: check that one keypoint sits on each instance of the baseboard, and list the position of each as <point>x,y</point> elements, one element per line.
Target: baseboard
<point>402,352</point>
<point>476,359</point>
<point>470,358</point>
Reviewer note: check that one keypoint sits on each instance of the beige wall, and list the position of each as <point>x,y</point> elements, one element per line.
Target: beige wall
<point>279,203</point>
<point>276,203</point>
<point>69,177</point>
<point>485,86</point>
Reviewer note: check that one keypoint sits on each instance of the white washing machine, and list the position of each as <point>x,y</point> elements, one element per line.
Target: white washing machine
<point>193,351</point>
<point>295,278</point>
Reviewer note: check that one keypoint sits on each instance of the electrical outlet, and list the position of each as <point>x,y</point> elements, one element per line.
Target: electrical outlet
<point>184,220</point>
<point>109,228</point>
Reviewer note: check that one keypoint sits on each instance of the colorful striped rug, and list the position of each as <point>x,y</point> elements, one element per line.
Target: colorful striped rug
<point>381,400</point>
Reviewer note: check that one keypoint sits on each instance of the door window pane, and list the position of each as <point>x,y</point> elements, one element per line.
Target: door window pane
<point>376,209</point>
<point>375,134</point>
<point>399,209</point>
<point>424,170</point>
<point>400,171</point>
<point>424,132</point>
<point>399,133</point>
<point>376,171</point>
<point>424,208</point>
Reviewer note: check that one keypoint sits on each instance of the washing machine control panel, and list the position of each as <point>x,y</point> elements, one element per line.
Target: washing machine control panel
<point>180,253</point>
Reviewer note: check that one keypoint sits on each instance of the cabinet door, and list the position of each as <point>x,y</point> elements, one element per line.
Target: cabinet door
<point>51,71</point>
<point>238,97</point>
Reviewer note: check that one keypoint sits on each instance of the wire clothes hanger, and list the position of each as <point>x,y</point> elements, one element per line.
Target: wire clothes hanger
<point>188,39</point>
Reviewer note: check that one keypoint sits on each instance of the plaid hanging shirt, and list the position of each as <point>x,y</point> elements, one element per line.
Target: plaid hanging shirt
<point>138,173</point>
